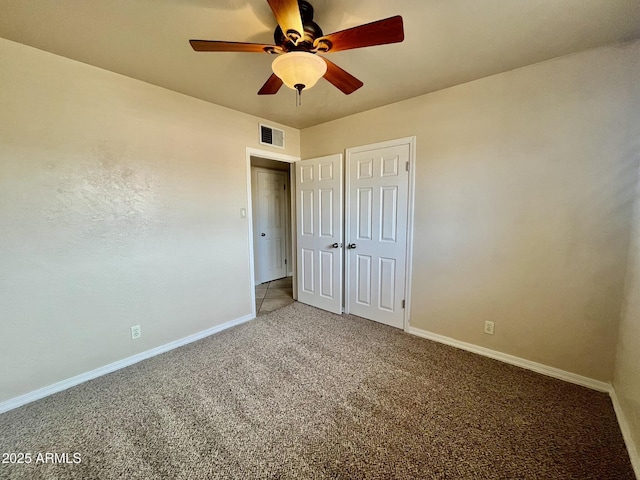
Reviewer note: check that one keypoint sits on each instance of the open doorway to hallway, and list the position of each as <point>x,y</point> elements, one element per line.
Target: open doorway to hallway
<point>272,233</point>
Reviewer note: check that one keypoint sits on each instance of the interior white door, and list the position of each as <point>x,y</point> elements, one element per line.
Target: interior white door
<point>319,219</point>
<point>376,237</point>
<point>269,206</point>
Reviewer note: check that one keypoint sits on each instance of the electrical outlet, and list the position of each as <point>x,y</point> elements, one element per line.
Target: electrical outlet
<point>135,332</point>
<point>488,328</point>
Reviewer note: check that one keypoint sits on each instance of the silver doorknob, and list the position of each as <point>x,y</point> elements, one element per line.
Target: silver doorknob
<point>352,246</point>
<point>263,234</point>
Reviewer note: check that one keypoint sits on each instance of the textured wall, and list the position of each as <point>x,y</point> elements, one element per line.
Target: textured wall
<point>119,205</point>
<point>627,371</point>
<point>524,183</point>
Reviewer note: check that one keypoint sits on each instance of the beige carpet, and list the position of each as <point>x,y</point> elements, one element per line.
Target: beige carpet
<point>300,393</point>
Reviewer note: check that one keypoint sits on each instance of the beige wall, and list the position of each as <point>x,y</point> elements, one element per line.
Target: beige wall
<point>524,183</point>
<point>627,368</point>
<point>119,205</point>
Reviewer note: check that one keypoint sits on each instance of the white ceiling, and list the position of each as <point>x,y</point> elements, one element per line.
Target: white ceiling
<point>447,42</point>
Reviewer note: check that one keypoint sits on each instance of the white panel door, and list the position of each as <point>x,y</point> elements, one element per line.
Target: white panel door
<point>269,205</point>
<point>319,232</point>
<point>376,237</point>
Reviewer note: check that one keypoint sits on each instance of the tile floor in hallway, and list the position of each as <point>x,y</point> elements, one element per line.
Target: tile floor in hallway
<point>273,295</point>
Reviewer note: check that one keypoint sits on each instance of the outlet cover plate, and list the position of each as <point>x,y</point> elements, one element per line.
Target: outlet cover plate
<point>489,328</point>
<point>135,332</point>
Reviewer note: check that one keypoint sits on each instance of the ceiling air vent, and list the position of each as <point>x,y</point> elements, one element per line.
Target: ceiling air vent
<point>271,136</point>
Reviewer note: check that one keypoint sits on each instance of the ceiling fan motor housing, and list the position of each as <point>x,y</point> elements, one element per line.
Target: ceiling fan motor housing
<point>311,31</point>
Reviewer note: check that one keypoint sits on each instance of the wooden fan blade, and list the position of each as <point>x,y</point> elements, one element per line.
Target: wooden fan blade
<point>341,79</point>
<point>271,86</point>
<point>288,16</point>
<point>216,46</point>
<point>389,30</point>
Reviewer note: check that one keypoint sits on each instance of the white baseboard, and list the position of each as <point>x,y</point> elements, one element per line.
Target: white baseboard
<point>112,367</point>
<point>626,433</point>
<point>520,362</point>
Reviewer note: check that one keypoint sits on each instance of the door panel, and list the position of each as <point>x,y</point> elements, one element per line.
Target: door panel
<point>306,212</point>
<point>326,274</point>
<point>363,280</point>
<point>319,219</point>
<point>364,210</point>
<point>326,212</point>
<point>377,213</point>
<point>389,214</point>
<point>306,273</point>
<point>386,286</point>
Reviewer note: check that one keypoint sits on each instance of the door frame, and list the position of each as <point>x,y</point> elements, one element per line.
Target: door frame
<point>411,141</point>
<point>281,157</point>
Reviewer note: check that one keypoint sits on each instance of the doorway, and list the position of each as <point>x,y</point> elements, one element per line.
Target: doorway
<point>271,259</point>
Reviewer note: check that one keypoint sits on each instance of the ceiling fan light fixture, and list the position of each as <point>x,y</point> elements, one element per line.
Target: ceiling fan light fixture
<point>298,69</point>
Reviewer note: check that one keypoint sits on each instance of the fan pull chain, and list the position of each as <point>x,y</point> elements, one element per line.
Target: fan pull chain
<point>299,87</point>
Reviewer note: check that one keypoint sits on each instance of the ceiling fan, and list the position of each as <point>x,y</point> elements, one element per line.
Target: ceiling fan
<point>298,40</point>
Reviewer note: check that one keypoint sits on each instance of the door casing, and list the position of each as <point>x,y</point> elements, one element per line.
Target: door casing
<point>254,152</point>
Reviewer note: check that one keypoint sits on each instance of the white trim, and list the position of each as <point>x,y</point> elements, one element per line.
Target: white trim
<point>254,152</point>
<point>252,270</point>
<point>410,210</point>
<point>112,367</point>
<point>411,141</point>
<point>281,157</point>
<point>293,203</point>
<point>626,433</point>
<point>517,361</point>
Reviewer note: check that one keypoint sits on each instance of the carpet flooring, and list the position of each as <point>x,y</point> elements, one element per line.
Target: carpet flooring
<point>300,393</point>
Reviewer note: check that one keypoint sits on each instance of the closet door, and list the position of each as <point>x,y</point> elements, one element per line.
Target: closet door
<point>376,237</point>
<point>319,221</point>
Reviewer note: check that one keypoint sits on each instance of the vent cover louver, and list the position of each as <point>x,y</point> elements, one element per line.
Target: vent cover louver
<point>271,136</point>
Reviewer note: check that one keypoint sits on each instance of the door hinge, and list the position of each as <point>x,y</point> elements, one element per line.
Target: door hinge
<point>285,186</point>
<point>407,166</point>
<point>402,303</point>
<point>285,261</point>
